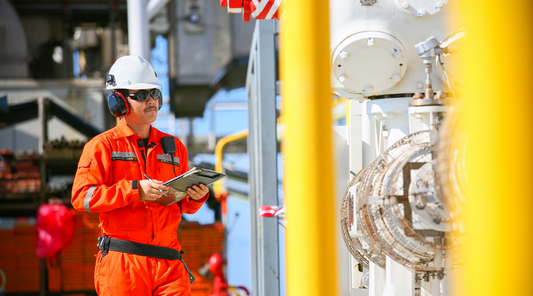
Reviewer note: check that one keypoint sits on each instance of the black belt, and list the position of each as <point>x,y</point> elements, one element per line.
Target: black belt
<point>106,243</point>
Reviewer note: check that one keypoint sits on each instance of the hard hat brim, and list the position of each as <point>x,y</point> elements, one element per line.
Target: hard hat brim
<point>136,86</point>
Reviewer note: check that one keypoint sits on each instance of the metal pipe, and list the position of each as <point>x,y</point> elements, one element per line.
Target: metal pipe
<point>43,109</point>
<point>429,89</point>
<point>499,150</point>
<point>112,15</point>
<point>154,6</point>
<point>220,186</point>
<point>138,29</point>
<point>212,138</point>
<point>309,180</point>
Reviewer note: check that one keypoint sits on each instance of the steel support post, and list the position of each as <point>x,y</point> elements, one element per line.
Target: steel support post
<point>341,157</point>
<point>262,145</point>
<point>43,109</point>
<point>42,105</point>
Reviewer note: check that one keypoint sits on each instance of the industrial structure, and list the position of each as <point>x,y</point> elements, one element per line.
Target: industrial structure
<point>375,207</point>
<point>391,60</point>
<point>54,56</point>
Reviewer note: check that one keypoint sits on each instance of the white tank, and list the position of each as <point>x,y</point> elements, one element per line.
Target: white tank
<point>384,52</point>
<point>373,45</point>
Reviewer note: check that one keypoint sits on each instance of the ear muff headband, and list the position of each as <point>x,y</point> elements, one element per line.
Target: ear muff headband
<point>118,105</point>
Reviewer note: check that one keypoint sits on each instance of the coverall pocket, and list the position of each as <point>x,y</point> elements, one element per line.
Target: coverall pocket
<point>166,171</point>
<point>125,170</point>
<point>83,168</point>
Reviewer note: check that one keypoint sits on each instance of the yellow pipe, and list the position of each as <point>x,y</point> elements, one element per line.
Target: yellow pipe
<point>309,180</point>
<point>348,112</point>
<point>499,217</point>
<point>219,187</point>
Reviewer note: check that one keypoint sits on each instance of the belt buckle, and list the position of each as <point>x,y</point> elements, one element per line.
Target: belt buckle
<point>103,244</point>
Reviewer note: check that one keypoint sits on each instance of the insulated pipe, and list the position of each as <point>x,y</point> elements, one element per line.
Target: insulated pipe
<point>499,217</point>
<point>138,29</point>
<point>308,143</point>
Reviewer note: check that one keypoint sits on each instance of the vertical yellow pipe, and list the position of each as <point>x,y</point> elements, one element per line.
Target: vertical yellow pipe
<point>347,112</point>
<point>305,72</point>
<point>499,125</point>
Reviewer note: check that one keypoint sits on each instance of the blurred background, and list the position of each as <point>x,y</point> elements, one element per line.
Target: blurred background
<point>54,57</point>
<point>399,185</point>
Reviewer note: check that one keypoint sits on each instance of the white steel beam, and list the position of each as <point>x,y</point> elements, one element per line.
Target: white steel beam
<point>262,143</point>
<point>154,6</point>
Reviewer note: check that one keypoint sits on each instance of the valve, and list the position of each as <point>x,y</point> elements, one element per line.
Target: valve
<point>428,50</point>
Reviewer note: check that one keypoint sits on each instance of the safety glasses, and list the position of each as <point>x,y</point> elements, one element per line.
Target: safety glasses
<point>143,95</point>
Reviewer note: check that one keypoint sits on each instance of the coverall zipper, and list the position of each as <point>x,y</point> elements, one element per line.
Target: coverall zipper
<point>143,153</point>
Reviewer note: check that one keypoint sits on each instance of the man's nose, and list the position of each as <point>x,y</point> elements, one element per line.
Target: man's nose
<point>151,101</point>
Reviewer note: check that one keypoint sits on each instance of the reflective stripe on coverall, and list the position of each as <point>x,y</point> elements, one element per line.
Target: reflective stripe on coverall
<point>107,181</point>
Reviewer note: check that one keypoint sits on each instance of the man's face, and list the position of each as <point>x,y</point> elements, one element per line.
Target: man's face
<point>142,112</point>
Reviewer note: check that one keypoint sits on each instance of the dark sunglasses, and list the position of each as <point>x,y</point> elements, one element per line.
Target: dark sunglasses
<point>143,95</point>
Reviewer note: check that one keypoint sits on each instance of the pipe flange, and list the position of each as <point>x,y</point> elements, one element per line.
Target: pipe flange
<point>428,102</point>
<point>369,62</point>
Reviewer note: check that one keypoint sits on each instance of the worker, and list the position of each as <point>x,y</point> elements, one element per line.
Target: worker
<point>119,175</point>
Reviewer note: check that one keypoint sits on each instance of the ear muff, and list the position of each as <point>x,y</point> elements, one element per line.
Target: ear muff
<point>117,103</point>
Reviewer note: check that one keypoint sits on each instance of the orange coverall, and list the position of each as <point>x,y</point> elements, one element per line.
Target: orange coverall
<point>107,182</point>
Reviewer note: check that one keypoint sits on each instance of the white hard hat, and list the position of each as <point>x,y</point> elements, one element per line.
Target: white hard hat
<point>132,72</point>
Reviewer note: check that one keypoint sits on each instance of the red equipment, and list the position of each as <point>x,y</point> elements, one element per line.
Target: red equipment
<point>220,285</point>
<point>55,227</point>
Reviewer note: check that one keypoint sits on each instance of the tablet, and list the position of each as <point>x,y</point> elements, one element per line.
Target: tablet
<point>194,176</point>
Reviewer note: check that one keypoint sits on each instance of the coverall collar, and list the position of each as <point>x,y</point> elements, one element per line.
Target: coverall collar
<point>125,131</point>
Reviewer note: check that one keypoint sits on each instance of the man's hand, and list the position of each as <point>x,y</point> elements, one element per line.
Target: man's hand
<point>197,192</point>
<point>149,191</point>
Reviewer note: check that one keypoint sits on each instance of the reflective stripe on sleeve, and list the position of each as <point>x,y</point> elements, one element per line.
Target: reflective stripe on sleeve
<point>88,198</point>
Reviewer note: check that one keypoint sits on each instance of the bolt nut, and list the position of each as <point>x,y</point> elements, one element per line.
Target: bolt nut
<point>417,96</point>
<point>344,55</point>
<point>405,5</point>
<point>440,4</point>
<point>342,79</point>
<point>395,77</point>
<point>368,88</point>
<point>422,12</point>
<point>440,95</point>
<point>370,42</point>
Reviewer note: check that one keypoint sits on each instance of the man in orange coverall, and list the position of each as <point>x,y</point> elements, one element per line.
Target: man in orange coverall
<point>139,249</point>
